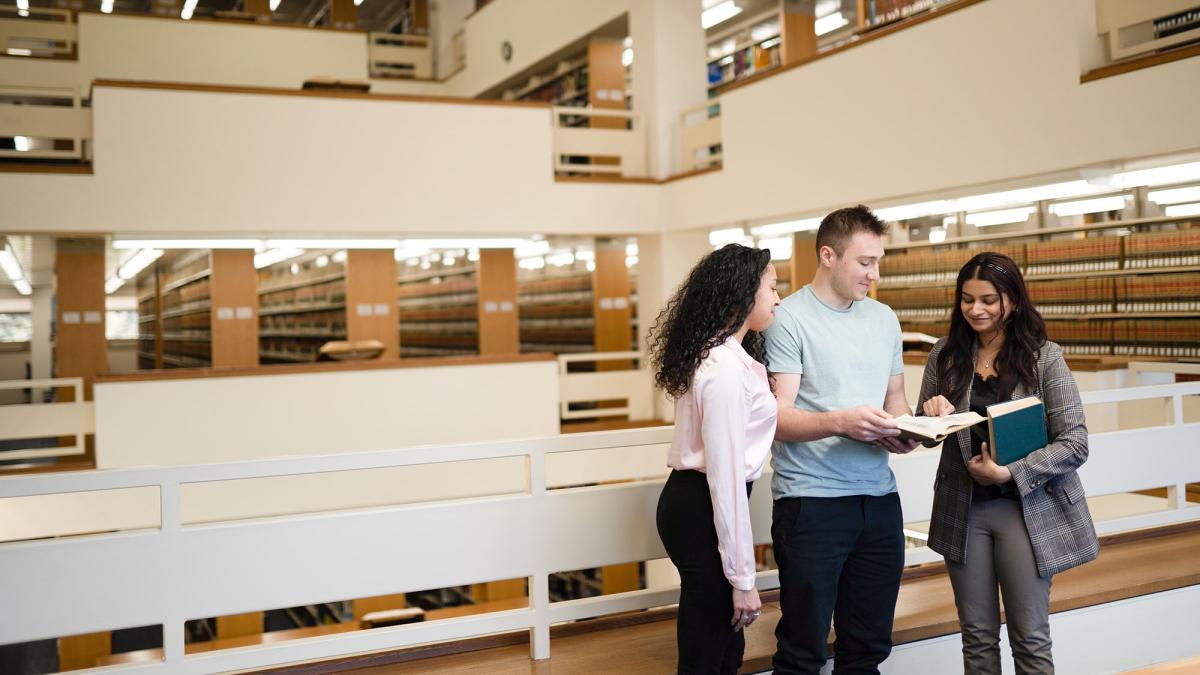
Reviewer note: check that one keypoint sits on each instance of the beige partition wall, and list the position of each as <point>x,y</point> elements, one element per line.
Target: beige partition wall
<point>797,27</point>
<point>371,299</point>
<point>234,321</point>
<point>81,348</point>
<point>499,324</point>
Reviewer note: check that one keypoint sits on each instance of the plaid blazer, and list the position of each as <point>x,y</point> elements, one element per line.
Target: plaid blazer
<point>1052,500</point>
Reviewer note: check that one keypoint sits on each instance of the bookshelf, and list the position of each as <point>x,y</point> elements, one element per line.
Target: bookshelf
<point>439,310</point>
<point>749,47</point>
<point>186,304</point>
<point>1122,288</point>
<point>302,305</point>
<point>149,343</point>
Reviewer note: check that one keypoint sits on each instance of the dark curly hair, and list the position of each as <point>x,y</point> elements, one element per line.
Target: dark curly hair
<point>1024,331</point>
<point>710,306</point>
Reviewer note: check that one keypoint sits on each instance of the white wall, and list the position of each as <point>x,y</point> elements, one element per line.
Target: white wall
<point>177,161</point>
<point>222,419</point>
<point>988,93</point>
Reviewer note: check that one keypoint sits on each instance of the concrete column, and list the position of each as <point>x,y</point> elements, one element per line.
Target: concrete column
<point>668,73</point>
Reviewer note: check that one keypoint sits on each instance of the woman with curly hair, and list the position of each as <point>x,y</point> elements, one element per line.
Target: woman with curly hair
<point>709,355</point>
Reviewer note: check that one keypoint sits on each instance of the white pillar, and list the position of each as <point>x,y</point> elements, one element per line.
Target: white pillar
<point>664,261</point>
<point>668,73</point>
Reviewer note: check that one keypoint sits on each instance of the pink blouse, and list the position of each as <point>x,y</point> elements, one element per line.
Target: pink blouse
<point>724,426</point>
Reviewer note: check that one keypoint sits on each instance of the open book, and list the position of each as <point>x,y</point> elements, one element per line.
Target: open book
<point>935,429</point>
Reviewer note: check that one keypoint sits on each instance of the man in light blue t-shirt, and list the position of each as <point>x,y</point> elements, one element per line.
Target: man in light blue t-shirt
<point>836,527</point>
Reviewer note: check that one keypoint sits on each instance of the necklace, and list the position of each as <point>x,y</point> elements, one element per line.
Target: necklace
<point>987,360</point>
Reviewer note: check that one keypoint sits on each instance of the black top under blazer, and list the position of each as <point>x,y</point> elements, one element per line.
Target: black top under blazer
<point>1052,500</point>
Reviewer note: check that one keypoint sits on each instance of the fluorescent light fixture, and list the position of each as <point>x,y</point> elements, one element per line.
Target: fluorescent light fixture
<point>949,221</point>
<point>471,242</point>
<point>358,2</point>
<point>339,256</point>
<point>628,41</point>
<point>136,263</point>
<point>372,244</point>
<point>23,5</point>
<point>1183,210</point>
<point>1002,217</point>
<point>13,51</point>
<point>907,211</point>
<point>22,12</point>
<point>772,42</point>
<point>1175,195</point>
<point>12,269</point>
<point>22,143</point>
<point>188,243</point>
<point>631,249</point>
<point>473,255</point>
<point>531,263</point>
<point>729,235</point>
<point>274,4</point>
<point>561,258</point>
<point>830,23</point>
<point>725,61</point>
<point>448,260</point>
<point>780,247</point>
<point>533,249</point>
<point>189,7</point>
<point>113,284</point>
<point>787,227</point>
<point>1098,205</point>
<point>1163,175</point>
<point>425,264</point>
<point>627,57</point>
<point>23,287</point>
<point>631,260</point>
<point>718,13</point>
<point>106,6</point>
<point>322,261</point>
<point>275,255</point>
<point>994,200</point>
<point>937,235</point>
<point>591,265</point>
<point>587,254</point>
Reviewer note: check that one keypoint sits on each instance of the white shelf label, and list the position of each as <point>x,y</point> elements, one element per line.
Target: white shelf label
<point>490,307</point>
<point>92,317</point>
<point>606,303</point>
<point>245,313</point>
<point>224,314</point>
<point>620,303</point>
<point>506,306</point>
<point>364,309</point>
<point>70,317</point>
<point>381,309</point>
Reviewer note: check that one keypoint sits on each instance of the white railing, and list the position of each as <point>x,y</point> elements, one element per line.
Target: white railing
<point>44,420</point>
<point>37,31</point>
<point>633,385</point>
<point>53,113</point>
<point>183,572</point>
<point>699,135</point>
<point>574,138</point>
<point>1130,25</point>
<point>394,55</point>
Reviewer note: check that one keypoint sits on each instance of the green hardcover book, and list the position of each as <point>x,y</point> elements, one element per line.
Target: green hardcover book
<point>1016,428</point>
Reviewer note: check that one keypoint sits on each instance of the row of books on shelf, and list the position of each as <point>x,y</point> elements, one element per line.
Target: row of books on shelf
<point>1123,337</point>
<point>1092,254</point>
<point>330,292</point>
<point>1163,249</point>
<point>329,323</point>
<point>930,266</point>
<point>744,62</point>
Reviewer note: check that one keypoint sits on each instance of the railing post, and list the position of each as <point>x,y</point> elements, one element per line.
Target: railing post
<point>539,596</point>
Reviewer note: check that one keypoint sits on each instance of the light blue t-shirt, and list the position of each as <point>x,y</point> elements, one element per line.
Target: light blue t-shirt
<point>845,359</point>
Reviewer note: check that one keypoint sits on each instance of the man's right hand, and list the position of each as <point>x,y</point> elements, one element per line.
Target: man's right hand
<point>867,424</point>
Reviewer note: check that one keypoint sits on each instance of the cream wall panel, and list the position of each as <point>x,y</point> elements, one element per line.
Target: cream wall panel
<point>228,419</point>
<point>140,48</point>
<point>42,73</point>
<point>953,102</point>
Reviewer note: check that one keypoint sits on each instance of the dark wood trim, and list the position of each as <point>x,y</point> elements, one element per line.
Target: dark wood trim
<point>691,174</point>
<point>322,367</point>
<point>224,22</point>
<point>605,179</point>
<point>73,56</point>
<point>863,38</point>
<point>310,93</point>
<point>1140,63</point>
<point>85,169</point>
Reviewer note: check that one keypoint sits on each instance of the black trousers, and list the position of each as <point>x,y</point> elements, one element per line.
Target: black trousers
<point>839,558</point>
<point>706,642</point>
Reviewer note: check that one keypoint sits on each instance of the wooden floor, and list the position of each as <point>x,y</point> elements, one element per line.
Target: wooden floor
<point>1129,565</point>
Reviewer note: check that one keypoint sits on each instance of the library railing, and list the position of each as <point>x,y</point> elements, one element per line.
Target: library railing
<point>37,31</point>
<point>1135,28</point>
<point>554,520</point>
<point>404,56</point>
<point>597,141</point>
<point>31,422</point>
<point>700,137</point>
<point>37,114</point>
<point>632,385</point>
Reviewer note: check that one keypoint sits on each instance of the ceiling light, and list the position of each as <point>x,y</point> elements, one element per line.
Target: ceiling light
<point>188,243</point>
<point>275,255</point>
<point>909,211</point>
<point>787,227</point>
<point>1175,195</point>
<point>631,249</point>
<point>466,242</point>
<point>533,249</point>
<point>338,256</point>
<point>13,51</point>
<point>1002,217</point>
<point>780,247</point>
<point>937,235</point>
<point>274,4</point>
<point>22,143</point>
<point>189,6</point>
<point>473,255</point>
<point>830,23</point>
<point>113,284</point>
<point>12,269</point>
<point>631,260</point>
<point>322,260</point>
<point>23,5</point>
<point>106,6</point>
<point>1183,210</point>
<point>1163,175</point>
<point>587,254</point>
<point>532,263</point>
<point>718,13</point>
<point>371,244</point>
<point>138,262</point>
<point>627,57</point>
<point>729,235</point>
<point>1098,205</point>
<point>767,44</point>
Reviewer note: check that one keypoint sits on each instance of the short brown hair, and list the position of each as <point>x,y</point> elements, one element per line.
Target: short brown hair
<point>838,227</point>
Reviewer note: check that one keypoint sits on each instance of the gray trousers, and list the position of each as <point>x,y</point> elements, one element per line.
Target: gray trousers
<point>999,558</point>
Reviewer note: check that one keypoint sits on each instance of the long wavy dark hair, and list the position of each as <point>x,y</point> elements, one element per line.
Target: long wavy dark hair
<point>710,306</point>
<point>1024,331</point>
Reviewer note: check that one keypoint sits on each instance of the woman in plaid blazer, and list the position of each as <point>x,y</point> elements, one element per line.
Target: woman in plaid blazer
<point>1008,528</point>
